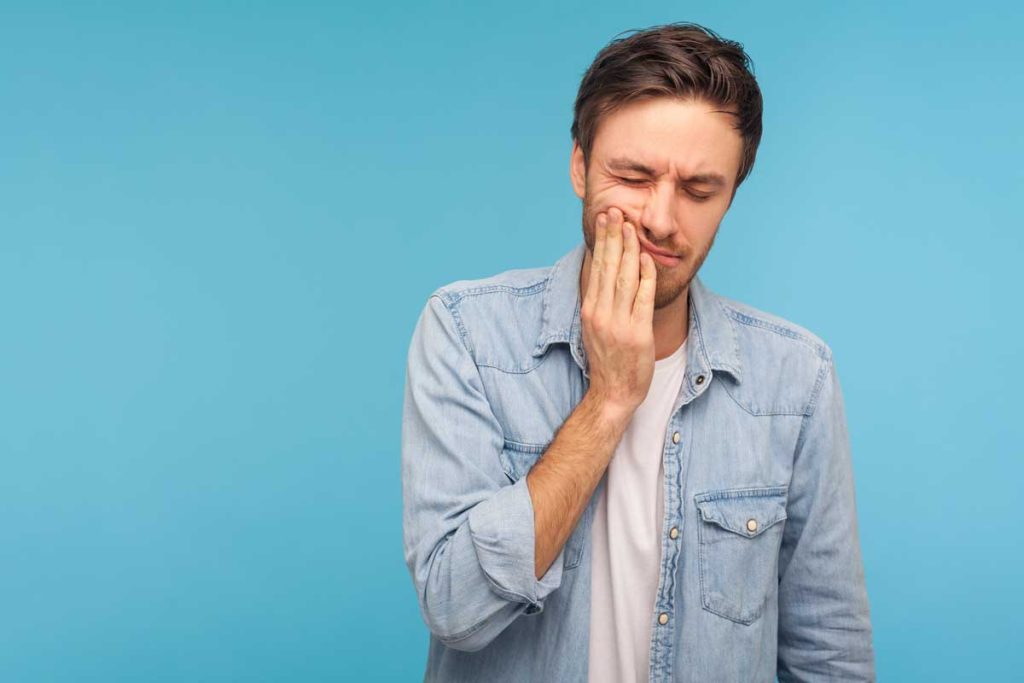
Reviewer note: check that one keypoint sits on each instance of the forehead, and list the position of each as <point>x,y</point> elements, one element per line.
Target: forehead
<point>686,137</point>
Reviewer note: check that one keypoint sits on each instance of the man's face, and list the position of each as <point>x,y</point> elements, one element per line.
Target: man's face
<point>644,160</point>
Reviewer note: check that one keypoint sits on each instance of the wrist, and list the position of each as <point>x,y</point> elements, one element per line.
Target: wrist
<point>608,412</point>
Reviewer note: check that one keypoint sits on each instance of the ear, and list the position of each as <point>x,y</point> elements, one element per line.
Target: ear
<point>577,170</point>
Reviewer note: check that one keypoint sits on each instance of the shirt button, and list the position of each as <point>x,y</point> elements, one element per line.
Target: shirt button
<point>663,618</point>
<point>674,533</point>
<point>700,379</point>
<point>751,525</point>
<point>675,438</point>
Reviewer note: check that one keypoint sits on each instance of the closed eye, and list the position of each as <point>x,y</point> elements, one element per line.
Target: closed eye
<point>633,181</point>
<point>636,182</point>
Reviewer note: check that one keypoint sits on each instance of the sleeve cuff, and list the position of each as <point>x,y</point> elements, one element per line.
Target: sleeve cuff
<point>502,531</point>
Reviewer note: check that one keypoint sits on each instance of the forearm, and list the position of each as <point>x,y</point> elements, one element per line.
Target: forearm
<point>468,536</point>
<point>564,478</point>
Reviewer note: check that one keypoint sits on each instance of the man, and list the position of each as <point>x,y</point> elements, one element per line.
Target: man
<point>611,473</point>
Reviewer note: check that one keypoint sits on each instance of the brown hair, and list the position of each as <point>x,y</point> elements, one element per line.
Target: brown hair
<point>682,60</point>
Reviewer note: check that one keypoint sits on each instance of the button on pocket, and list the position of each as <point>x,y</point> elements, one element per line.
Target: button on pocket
<point>739,536</point>
<point>517,459</point>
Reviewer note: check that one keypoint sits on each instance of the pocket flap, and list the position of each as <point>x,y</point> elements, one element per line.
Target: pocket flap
<point>517,458</point>
<point>747,511</point>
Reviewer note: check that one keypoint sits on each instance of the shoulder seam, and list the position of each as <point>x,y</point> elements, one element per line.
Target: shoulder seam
<point>463,335</point>
<point>814,342</point>
<point>823,371</point>
<point>455,296</point>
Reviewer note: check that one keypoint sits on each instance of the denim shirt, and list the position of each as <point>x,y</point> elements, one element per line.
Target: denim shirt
<point>761,572</point>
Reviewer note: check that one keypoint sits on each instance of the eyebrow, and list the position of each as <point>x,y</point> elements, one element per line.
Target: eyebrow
<point>626,164</point>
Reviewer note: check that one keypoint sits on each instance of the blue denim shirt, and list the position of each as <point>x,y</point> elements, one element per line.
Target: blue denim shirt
<point>764,576</point>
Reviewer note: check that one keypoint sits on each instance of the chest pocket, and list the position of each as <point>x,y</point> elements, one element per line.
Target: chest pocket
<point>517,459</point>
<point>739,535</point>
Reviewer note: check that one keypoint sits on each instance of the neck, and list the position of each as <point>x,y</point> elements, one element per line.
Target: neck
<point>671,325</point>
<point>671,322</point>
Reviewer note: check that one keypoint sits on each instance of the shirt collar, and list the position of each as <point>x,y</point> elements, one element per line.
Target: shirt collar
<point>712,333</point>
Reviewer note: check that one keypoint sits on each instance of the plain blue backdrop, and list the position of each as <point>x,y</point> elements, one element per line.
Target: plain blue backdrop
<point>219,222</point>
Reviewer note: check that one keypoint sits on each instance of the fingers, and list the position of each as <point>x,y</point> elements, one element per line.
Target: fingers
<point>612,257</point>
<point>643,307</point>
<point>627,281</point>
<point>596,265</point>
<point>615,280</point>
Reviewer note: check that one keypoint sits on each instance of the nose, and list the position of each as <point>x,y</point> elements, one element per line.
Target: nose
<point>657,214</point>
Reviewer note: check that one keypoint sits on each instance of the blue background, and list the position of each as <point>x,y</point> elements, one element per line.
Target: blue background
<point>218,224</point>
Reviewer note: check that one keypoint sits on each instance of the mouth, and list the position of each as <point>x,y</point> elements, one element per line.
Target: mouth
<point>665,258</point>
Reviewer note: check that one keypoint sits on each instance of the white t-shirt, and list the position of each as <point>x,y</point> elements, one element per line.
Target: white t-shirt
<point>627,528</point>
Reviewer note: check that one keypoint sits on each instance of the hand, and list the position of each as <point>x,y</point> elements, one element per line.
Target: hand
<point>617,314</point>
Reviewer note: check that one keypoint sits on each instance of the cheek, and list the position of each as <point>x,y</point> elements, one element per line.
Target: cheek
<point>630,199</point>
<point>610,191</point>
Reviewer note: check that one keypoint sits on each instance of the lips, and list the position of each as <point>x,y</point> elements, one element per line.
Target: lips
<point>665,258</point>
<point>655,250</point>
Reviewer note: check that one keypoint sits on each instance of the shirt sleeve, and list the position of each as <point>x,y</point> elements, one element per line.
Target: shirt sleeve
<point>468,530</point>
<point>824,618</point>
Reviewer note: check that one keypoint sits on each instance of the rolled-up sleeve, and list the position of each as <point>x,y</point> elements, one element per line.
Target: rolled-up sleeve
<point>468,530</point>
<point>824,618</point>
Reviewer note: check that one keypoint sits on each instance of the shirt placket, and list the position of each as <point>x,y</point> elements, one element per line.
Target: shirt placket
<point>676,454</point>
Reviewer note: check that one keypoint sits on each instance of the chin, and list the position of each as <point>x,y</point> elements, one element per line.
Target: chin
<point>663,299</point>
<point>672,291</point>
